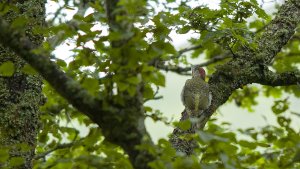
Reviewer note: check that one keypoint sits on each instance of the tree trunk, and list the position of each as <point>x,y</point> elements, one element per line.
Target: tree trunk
<point>20,94</point>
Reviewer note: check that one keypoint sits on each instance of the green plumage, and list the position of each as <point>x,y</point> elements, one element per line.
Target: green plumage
<point>195,95</point>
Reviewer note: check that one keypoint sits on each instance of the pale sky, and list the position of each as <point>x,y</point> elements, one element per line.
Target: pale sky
<point>171,105</point>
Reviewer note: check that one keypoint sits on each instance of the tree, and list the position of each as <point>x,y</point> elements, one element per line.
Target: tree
<point>120,50</point>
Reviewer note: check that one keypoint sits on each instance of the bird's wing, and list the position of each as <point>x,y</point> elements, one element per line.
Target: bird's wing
<point>182,94</point>
<point>185,91</point>
<point>209,99</point>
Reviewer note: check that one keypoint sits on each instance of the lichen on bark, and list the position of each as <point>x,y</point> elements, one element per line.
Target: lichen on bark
<point>20,94</point>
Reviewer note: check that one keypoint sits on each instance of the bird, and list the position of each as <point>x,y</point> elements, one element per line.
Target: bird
<point>195,94</point>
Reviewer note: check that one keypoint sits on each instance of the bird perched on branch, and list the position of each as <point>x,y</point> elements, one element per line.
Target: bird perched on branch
<point>195,94</point>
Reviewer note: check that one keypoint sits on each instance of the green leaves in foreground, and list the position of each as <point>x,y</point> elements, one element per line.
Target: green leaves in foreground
<point>219,147</point>
<point>7,69</point>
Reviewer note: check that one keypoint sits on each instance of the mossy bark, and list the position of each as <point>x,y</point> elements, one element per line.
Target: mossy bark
<point>20,94</point>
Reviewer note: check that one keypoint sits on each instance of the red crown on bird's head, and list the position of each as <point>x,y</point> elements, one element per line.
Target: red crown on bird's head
<point>198,71</point>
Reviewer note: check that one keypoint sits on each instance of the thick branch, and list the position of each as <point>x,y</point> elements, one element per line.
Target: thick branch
<point>282,79</point>
<point>279,31</point>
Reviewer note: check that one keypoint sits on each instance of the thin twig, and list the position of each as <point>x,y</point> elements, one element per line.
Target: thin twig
<point>182,51</point>
<point>59,146</point>
<point>155,97</point>
<point>184,70</point>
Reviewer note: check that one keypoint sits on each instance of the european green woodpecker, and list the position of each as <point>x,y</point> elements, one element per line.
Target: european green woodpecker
<point>195,94</point>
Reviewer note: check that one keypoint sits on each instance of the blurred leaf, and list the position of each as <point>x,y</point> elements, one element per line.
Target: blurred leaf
<point>19,22</point>
<point>183,125</point>
<point>280,106</point>
<point>4,155</point>
<point>16,161</point>
<point>7,68</point>
<point>29,70</point>
<point>247,144</point>
<point>92,85</point>
<point>158,78</point>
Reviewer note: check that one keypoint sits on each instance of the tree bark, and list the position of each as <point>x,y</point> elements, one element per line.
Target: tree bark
<point>20,94</point>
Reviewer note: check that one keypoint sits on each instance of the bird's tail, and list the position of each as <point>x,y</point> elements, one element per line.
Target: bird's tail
<point>194,113</point>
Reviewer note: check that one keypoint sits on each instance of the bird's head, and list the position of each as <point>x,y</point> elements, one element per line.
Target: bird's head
<point>198,71</point>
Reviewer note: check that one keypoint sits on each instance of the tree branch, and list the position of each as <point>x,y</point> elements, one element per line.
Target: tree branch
<point>59,146</point>
<point>184,70</point>
<point>278,79</point>
<point>182,51</point>
<point>278,32</point>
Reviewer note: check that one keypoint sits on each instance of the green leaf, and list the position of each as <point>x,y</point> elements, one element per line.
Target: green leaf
<point>19,23</point>
<point>183,125</point>
<point>297,157</point>
<point>131,90</point>
<point>261,13</point>
<point>148,109</point>
<point>148,92</point>
<point>184,30</point>
<point>134,80</point>
<point>16,161</point>
<point>91,84</point>
<point>280,106</point>
<point>265,145</point>
<point>254,2</point>
<point>29,70</point>
<point>61,62</point>
<point>247,144</point>
<point>158,78</point>
<point>7,68</point>
<point>275,92</point>
<point>284,122</point>
<point>4,155</point>
<point>207,137</point>
<point>43,138</point>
